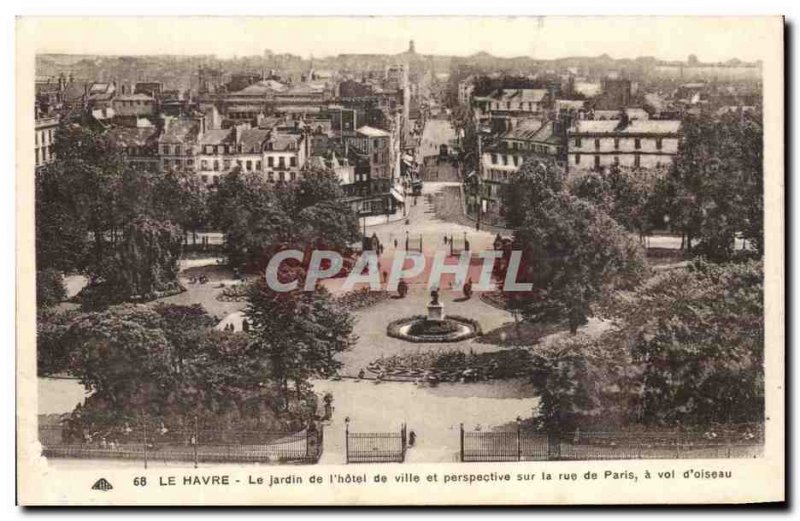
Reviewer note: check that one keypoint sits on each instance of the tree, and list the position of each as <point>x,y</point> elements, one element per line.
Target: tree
<point>687,349</point>
<point>324,218</point>
<point>699,333</point>
<point>181,197</point>
<point>144,262</point>
<point>573,252</point>
<point>251,216</point>
<point>587,383</point>
<point>185,328</point>
<point>537,180</point>
<point>79,194</point>
<point>624,195</point>
<point>714,189</point>
<point>259,219</point>
<point>298,332</point>
<point>121,354</point>
<point>50,288</point>
<point>52,350</point>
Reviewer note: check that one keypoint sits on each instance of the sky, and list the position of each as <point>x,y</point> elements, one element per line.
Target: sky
<point>711,39</point>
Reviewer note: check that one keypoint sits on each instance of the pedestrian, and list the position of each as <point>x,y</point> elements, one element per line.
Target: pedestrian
<point>395,244</point>
<point>361,374</point>
<point>412,438</point>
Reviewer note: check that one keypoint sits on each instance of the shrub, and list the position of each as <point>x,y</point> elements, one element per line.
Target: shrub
<point>50,288</point>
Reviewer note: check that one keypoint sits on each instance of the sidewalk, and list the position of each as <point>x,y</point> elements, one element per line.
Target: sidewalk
<point>375,220</point>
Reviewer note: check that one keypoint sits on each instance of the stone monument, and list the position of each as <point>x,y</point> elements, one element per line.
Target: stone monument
<point>435,308</point>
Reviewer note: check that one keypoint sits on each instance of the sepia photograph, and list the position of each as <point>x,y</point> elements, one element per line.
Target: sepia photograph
<point>370,256</point>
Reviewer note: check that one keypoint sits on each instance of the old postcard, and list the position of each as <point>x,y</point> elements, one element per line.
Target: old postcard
<point>400,261</point>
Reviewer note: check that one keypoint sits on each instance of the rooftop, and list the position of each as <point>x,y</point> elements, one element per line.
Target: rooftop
<point>217,137</point>
<point>252,139</point>
<point>525,95</point>
<point>372,132</point>
<point>525,129</point>
<point>133,97</point>
<point>132,137</point>
<point>652,126</point>
<point>180,130</point>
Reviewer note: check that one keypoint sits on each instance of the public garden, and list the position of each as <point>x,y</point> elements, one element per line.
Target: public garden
<point>207,339</point>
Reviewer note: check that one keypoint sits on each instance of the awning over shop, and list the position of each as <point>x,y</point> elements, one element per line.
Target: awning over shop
<point>397,195</point>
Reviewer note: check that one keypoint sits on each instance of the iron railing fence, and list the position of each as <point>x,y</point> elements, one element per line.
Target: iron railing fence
<point>526,445</point>
<point>375,447</point>
<point>182,444</point>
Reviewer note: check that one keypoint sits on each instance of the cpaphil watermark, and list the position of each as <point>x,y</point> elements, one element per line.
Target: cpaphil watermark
<point>379,271</point>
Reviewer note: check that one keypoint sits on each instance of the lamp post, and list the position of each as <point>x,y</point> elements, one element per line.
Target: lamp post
<point>347,439</point>
<point>479,182</point>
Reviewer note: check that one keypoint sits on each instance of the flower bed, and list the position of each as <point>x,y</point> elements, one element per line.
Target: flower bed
<point>495,299</point>
<point>360,299</point>
<point>234,293</point>
<point>455,365</point>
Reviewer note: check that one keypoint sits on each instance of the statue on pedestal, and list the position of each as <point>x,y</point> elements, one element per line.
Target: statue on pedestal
<point>435,308</point>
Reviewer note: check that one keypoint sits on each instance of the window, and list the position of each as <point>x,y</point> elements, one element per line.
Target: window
<point>216,165</point>
<point>258,165</point>
<point>637,160</point>
<point>637,143</point>
<point>281,176</point>
<point>292,161</point>
<point>578,142</point>
<point>293,176</point>
<point>209,149</point>
<point>271,177</point>
<point>249,165</point>
<point>577,159</point>
<point>494,159</point>
<point>270,161</point>
<point>190,163</point>
<point>204,164</point>
<point>616,143</point>
<point>658,144</point>
<point>204,178</point>
<point>597,144</point>
<point>505,159</point>
<point>597,161</point>
<point>165,149</point>
<point>177,150</point>
<point>616,160</point>
<point>281,164</point>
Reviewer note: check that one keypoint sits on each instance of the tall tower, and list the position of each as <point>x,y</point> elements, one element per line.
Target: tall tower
<point>411,47</point>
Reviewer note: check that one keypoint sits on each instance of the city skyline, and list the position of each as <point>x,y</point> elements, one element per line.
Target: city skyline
<point>544,38</point>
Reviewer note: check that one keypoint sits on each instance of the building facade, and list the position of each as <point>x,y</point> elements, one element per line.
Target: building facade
<point>596,144</point>
<point>45,138</point>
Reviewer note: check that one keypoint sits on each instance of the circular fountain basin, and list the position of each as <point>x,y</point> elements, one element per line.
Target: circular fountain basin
<point>421,329</point>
